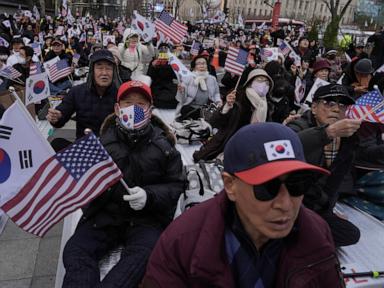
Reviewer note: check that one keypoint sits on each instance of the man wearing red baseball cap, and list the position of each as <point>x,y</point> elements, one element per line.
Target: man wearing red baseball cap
<point>143,148</point>
<point>255,233</point>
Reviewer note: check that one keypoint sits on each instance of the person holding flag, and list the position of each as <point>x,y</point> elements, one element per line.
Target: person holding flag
<point>329,141</point>
<point>143,148</point>
<point>58,50</point>
<point>133,53</point>
<point>197,90</point>
<point>164,79</point>
<point>242,107</point>
<point>92,101</point>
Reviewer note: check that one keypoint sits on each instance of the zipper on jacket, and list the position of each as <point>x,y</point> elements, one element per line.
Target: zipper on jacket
<point>309,266</point>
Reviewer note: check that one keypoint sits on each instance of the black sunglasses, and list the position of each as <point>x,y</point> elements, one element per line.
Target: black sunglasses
<point>297,184</point>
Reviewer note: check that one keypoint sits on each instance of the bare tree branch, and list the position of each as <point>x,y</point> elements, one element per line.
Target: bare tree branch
<point>345,8</point>
<point>327,4</point>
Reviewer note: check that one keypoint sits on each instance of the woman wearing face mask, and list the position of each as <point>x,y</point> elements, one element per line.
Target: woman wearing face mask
<point>135,55</point>
<point>247,105</point>
<point>4,54</point>
<point>25,61</point>
<point>197,91</point>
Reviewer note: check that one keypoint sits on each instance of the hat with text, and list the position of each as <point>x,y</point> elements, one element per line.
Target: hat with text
<point>260,152</point>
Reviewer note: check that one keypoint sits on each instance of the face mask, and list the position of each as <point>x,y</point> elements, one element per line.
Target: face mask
<point>3,57</point>
<point>261,88</point>
<point>134,117</point>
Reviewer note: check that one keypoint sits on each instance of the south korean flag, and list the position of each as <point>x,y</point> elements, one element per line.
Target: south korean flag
<point>280,149</point>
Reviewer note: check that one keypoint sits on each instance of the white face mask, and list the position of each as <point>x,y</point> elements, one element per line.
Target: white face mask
<point>261,88</point>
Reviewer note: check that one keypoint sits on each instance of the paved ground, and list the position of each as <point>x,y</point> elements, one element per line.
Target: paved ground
<point>27,261</point>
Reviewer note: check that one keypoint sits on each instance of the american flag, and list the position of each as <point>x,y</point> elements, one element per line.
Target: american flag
<point>36,48</point>
<point>10,73</point>
<point>63,183</point>
<point>195,48</point>
<point>170,27</point>
<point>284,48</point>
<point>59,70</point>
<point>365,108</point>
<point>140,117</point>
<point>34,69</point>
<point>236,60</point>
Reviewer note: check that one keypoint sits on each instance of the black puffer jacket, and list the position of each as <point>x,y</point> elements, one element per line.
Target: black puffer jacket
<point>91,109</point>
<point>163,88</point>
<point>323,194</point>
<point>148,160</point>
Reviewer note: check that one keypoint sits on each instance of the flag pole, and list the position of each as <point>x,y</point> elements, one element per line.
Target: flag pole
<point>238,81</point>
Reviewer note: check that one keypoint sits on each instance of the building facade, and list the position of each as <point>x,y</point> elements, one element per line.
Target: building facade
<point>303,10</point>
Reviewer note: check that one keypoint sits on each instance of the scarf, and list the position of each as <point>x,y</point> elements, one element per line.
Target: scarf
<point>259,104</point>
<point>200,80</point>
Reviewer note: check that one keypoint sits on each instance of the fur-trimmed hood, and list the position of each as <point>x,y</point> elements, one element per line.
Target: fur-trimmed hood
<point>155,121</point>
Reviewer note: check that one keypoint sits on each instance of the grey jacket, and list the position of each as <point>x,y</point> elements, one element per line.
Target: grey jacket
<point>190,91</point>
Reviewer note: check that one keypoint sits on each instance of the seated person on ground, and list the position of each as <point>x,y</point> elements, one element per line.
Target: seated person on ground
<point>329,141</point>
<point>92,101</point>
<point>143,149</point>
<point>197,91</point>
<point>255,233</point>
<point>248,105</point>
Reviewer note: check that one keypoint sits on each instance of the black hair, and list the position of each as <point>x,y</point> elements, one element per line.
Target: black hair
<point>28,51</point>
<point>193,63</point>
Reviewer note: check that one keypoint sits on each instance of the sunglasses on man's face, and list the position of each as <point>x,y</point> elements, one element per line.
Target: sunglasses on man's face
<point>297,184</point>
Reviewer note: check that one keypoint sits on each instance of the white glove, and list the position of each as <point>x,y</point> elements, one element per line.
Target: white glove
<point>137,198</point>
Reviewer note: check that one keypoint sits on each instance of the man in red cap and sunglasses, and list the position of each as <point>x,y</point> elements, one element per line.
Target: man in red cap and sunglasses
<point>143,148</point>
<point>255,233</point>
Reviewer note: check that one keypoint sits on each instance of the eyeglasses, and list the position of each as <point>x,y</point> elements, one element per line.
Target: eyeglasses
<point>201,63</point>
<point>297,184</point>
<point>332,104</point>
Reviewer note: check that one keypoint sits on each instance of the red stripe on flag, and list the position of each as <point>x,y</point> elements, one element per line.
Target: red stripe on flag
<point>42,201</point>
<point>94,192</point>
<point>60,201</point>
<point>23,193</point>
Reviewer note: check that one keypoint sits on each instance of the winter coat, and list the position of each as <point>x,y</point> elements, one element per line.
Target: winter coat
<point>190,92</point>
<point>135,61</point>
<point>90,108</point>
<point>370,152</point>
<point>191,252</point>
<point>323,194</point>
<point>148,160</point>
<point>163,87</point>
<point>227,124</point>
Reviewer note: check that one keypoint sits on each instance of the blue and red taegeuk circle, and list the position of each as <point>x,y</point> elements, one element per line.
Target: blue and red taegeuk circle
<point>39,87</point>
<point>280,149</point>
<point>5,166</point>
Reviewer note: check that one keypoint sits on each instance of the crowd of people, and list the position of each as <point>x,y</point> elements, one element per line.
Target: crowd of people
<point>287,159</point>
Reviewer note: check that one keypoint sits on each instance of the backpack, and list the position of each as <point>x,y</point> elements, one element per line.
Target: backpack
<point>190,131</point>
<point>203,183</point>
